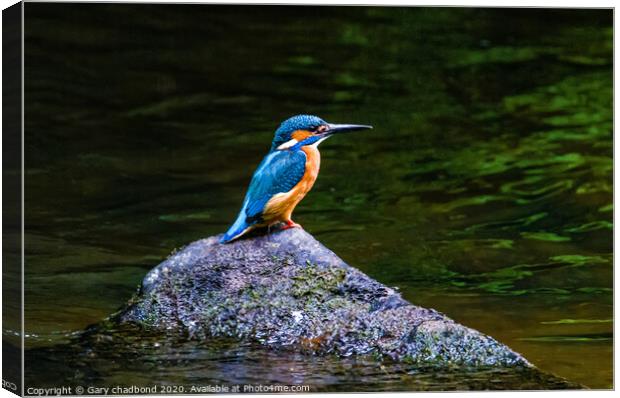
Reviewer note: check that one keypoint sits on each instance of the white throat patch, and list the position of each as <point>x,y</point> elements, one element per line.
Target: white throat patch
<point>288,144</point>
<point>316,144</point>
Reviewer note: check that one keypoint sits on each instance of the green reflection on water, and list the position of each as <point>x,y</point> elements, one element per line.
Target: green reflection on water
<point>573,321</point>
<point>488,175</point>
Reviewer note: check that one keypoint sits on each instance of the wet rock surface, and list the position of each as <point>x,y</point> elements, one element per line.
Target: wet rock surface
<point>285,290</point>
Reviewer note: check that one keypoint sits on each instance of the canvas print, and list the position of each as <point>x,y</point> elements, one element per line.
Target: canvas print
<point>302,199</point>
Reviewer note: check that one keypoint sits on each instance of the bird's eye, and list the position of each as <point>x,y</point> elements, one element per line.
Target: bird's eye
<point>313,128</point>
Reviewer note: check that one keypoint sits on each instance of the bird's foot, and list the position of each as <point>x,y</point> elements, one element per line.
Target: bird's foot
<point>290,224</point>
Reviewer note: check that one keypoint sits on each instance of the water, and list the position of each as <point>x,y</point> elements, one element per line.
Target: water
<point>484,191</point>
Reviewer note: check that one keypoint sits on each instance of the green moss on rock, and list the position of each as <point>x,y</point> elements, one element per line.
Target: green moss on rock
<point>285,290</point>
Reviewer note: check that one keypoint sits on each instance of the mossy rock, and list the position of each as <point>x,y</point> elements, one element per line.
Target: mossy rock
<point>286,290</point>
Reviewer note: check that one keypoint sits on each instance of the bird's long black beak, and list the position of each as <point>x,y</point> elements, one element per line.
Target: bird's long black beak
<point>345,128</point>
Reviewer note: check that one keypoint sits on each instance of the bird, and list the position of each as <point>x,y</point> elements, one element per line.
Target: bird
<point>285,175</point>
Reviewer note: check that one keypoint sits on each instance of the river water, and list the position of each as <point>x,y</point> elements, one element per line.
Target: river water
<point>484,190</point>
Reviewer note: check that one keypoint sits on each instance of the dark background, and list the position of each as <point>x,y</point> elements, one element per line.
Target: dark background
<point>484,191</point>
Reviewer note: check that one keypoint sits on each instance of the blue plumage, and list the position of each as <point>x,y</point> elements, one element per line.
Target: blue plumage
<point>299,122</point>
<point>282,169</point>
<point>279,172</point>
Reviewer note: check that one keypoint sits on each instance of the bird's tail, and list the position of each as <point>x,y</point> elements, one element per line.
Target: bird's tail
<point>237,229</point>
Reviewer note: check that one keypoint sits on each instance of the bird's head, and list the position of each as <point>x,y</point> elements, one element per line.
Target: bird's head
<point>302,130</point>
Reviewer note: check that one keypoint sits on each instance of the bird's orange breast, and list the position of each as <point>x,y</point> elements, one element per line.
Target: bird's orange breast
<point>281,206</point>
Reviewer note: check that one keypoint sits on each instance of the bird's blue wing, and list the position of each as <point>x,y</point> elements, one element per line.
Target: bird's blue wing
<point>279,172</point>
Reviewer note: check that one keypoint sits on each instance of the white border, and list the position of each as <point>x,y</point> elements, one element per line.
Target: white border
<point>452,3</point>
<point>395,3</point>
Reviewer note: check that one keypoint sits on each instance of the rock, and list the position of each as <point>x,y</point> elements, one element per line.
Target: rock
<point>286,290</point>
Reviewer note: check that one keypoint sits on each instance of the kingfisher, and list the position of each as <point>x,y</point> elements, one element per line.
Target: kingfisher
<point>286,174</point>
